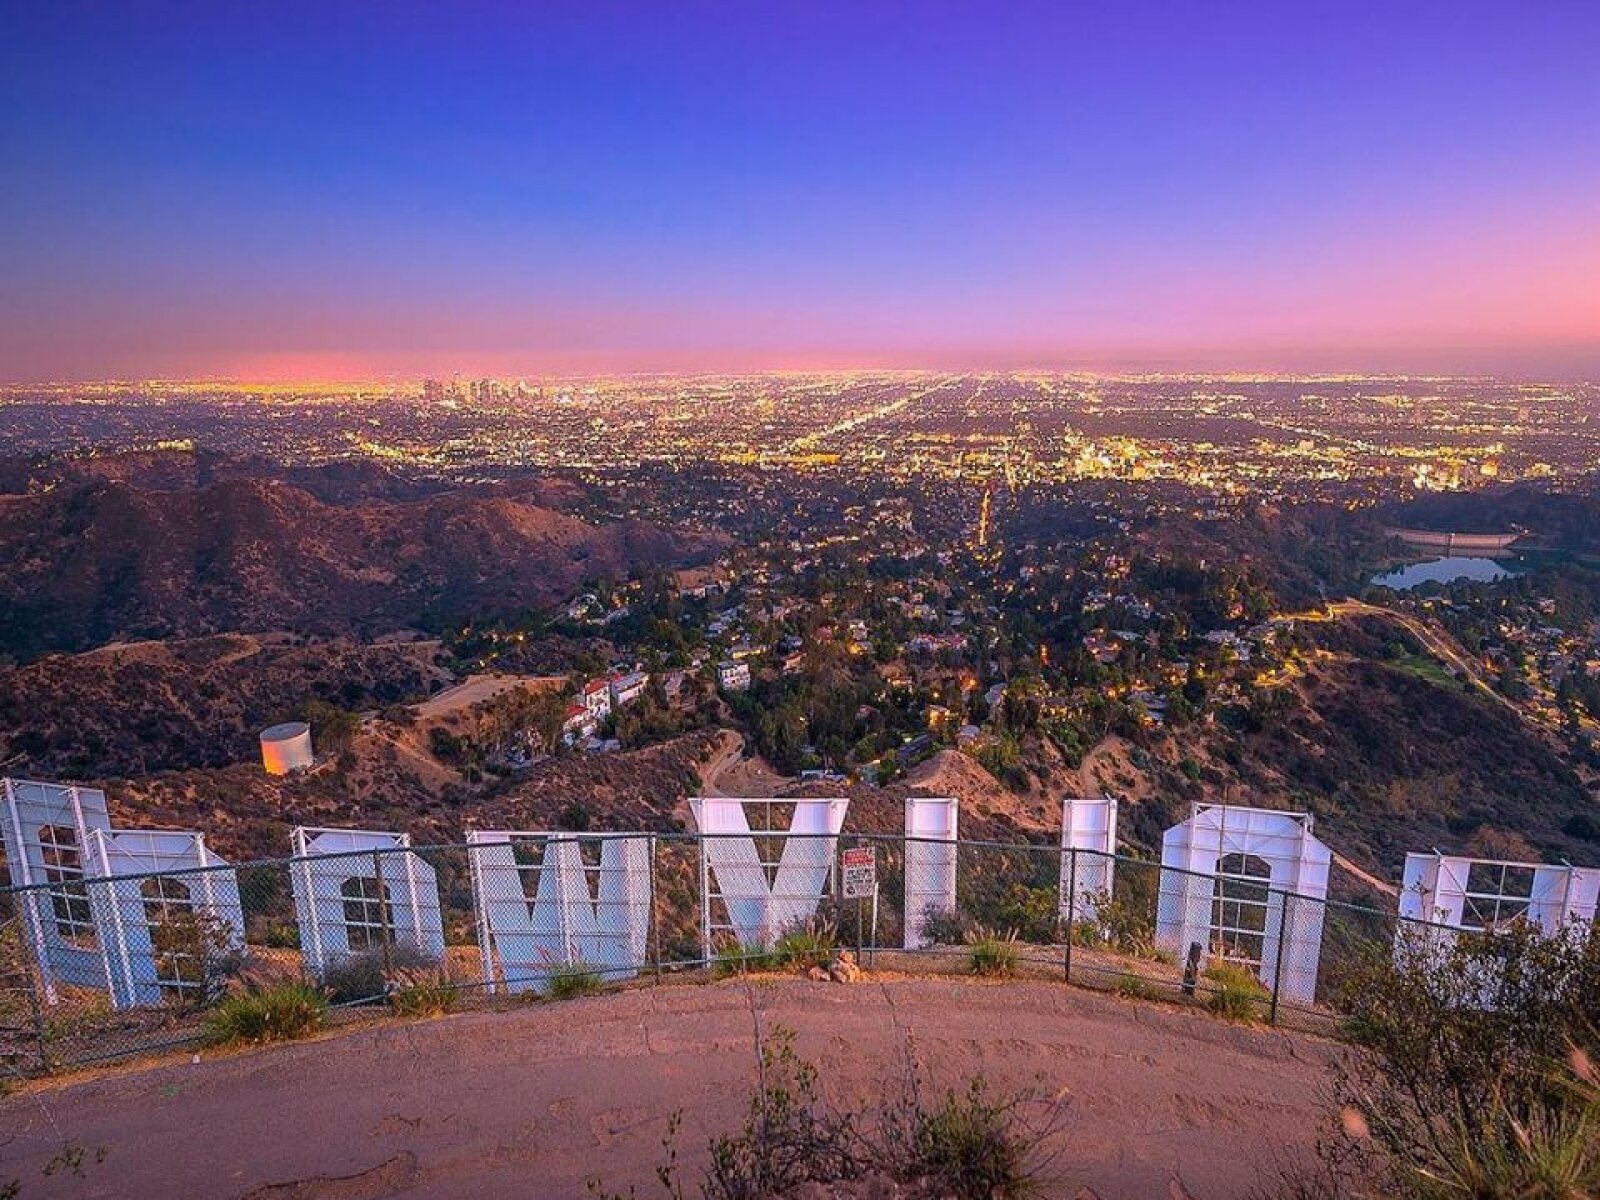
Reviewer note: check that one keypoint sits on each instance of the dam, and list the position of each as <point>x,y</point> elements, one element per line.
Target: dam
<point>1455,543</point>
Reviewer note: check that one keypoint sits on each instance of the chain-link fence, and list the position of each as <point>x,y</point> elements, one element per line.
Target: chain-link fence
<point>97,967</point>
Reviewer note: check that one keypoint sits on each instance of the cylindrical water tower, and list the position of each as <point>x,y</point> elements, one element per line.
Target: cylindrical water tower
<point>286,748</point>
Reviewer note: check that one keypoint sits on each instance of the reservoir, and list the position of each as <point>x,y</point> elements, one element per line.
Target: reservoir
<point>1445,570</point>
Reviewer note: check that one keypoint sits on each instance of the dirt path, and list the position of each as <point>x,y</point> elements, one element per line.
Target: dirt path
<point>730,747</point>
<point>534,1102</point>
<point>1366,877</point>
<point>730,773</point>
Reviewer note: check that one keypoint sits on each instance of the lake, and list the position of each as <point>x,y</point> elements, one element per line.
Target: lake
<point>1445,570</point>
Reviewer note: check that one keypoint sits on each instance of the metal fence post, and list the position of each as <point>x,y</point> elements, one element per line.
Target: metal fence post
<point>872,952</point>
<point>705,902</point>
<point>41,1031</point>
<point>1277,964</point>
<point>861,903</point>
<point>1072,911</point>
<point>385,937</point>
<point>655,917</point>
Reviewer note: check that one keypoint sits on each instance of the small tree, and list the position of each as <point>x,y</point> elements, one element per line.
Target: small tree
<point>1472,1074</point>
<point>196,955</point>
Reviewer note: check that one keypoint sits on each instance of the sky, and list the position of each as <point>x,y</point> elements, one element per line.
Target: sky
<point>289,189</point>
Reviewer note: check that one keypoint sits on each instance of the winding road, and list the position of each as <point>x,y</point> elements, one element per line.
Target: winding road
<point>1432,640</point>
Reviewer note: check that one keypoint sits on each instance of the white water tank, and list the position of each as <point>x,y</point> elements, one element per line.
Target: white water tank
<point>286,748</point>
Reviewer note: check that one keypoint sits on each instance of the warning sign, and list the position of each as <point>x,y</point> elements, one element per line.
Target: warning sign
<point>860,865</point>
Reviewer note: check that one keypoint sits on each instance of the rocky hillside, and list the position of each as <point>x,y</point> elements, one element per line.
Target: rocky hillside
<point>130,709</point>
<point>385,779</point>
<point>1388,760</point>
<point>106,560</point>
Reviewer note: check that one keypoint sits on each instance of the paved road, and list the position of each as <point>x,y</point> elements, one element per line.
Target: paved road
<point>1432,641</point>
<point>533,1102</point>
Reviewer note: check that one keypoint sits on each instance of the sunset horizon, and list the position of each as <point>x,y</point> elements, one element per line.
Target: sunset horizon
<point>220,193</point>
<point>840,600</point>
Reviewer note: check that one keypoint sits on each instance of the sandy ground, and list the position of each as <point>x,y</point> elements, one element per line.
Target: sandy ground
<point>534,1102</point>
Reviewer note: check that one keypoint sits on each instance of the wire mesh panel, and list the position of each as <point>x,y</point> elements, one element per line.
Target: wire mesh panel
<point>358,892</point>
<point>556,902</point>
<point>1010,892</point>
<point>1112,936</point>
<point>678,929</point>
<point>930,870</point>
<point>21,1017</point>
<point>906,873</point>
<point>509,912</point>
<point>763,876</point>
<point>1353,941</point>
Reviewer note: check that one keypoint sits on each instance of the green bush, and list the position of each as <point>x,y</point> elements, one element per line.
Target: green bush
<point>356,979</point>
<point>738,960</point>
<point>947,926</point>
<point>270,1012</point>
<point>789,1136</point>
<point>969,1146</point>
<point>1032,913</point>
<point>1118,924</point>
<point>1475,1075</point>
<point>281,935</point>
<point>809,945</point>
<point>423,994</point>
<point>993,956</point>
<point>364,978</point>
<point>1133,987</point>
<point>196,957</point>
<point>571,980</point>
<point>1234,992</point>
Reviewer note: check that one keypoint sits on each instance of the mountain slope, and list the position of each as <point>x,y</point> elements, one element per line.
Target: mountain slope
<point>106,561</point>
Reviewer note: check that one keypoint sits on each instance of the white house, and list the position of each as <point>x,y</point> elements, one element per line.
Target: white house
<point>597,698</point>
<point>627,688</point>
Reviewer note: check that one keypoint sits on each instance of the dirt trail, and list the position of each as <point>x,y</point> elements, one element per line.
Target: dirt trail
<point>1366,877</point>
<point>730,746</point>
<point>536,1101</point>
<point>730,773</point>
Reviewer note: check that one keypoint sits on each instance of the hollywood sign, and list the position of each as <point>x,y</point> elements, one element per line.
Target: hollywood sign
<point>1245,884</point>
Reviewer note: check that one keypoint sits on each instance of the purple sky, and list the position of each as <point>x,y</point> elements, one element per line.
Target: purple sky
<point>275,189</point>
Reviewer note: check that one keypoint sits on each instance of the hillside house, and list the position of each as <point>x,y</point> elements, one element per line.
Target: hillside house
<point>627,688</point>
